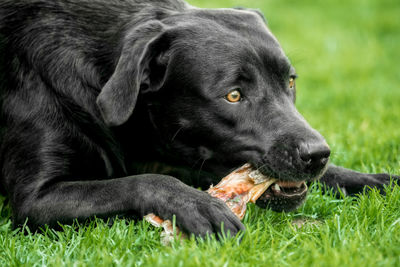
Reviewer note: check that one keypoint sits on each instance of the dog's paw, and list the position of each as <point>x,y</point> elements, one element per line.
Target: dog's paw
<point>196,212</point>
<point>362,183</point>
<point>381,180</point>
<point>208,215</point>
<point>348,182</point>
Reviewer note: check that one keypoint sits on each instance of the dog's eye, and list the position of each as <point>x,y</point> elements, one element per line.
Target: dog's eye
<point>292,82</point>
<point>234,96</point>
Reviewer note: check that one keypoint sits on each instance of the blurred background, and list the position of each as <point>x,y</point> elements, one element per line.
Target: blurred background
<point>347,56</point>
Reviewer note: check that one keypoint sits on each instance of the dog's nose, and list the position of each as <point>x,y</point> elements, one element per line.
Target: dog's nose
<point>315,155</point>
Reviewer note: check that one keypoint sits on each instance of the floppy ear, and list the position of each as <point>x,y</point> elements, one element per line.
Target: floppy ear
<point>117,98</point>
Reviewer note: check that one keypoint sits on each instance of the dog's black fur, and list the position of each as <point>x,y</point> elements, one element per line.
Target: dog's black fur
<point>95,91</point>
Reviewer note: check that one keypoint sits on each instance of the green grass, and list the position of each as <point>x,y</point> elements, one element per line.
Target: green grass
<point>346,54</point>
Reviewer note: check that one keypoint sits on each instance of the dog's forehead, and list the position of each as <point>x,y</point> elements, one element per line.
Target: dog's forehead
<point>235,35</point>
<point>226,43</point>
<point>246,24</point>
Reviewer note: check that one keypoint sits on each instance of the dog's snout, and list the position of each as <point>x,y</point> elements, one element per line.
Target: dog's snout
<point>314,154</point>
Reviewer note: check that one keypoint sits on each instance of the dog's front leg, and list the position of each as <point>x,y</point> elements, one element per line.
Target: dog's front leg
<point>196,212</point>
<point>40,175</point>
<point>351,182</point>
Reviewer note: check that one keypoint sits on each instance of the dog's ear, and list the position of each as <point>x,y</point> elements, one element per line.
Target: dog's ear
<point>141,46</point>
<point>256,11</point>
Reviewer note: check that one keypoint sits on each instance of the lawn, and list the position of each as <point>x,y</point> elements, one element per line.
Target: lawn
<point>347,56</point>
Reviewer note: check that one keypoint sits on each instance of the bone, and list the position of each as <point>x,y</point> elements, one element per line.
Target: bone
<point>241,186</point>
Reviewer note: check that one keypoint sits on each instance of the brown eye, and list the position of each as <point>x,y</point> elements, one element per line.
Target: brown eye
<point>291,82</point>
<point>234,96</point>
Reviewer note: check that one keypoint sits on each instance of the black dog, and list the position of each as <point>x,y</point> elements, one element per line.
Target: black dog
<point>97,92</point>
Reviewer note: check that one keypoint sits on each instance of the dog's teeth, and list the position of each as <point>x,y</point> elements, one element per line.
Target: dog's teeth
<point>277,188</point>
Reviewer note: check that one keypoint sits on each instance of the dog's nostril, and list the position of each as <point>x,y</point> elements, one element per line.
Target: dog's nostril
<point>315,155</point>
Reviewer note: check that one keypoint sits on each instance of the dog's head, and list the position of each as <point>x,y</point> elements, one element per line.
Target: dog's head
<point>220,92</point>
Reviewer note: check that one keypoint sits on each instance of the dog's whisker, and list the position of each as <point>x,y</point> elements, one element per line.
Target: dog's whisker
<point>262,166</point>
<point>201,166</point>
<point>195,163</point>
<point>176,133</point>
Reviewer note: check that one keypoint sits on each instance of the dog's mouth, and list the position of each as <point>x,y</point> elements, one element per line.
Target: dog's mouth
<point>288,189</point>
<point>279,195</point>
<point>284,195</point>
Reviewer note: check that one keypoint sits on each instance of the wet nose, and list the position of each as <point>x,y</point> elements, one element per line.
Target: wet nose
<point>315,155</point>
